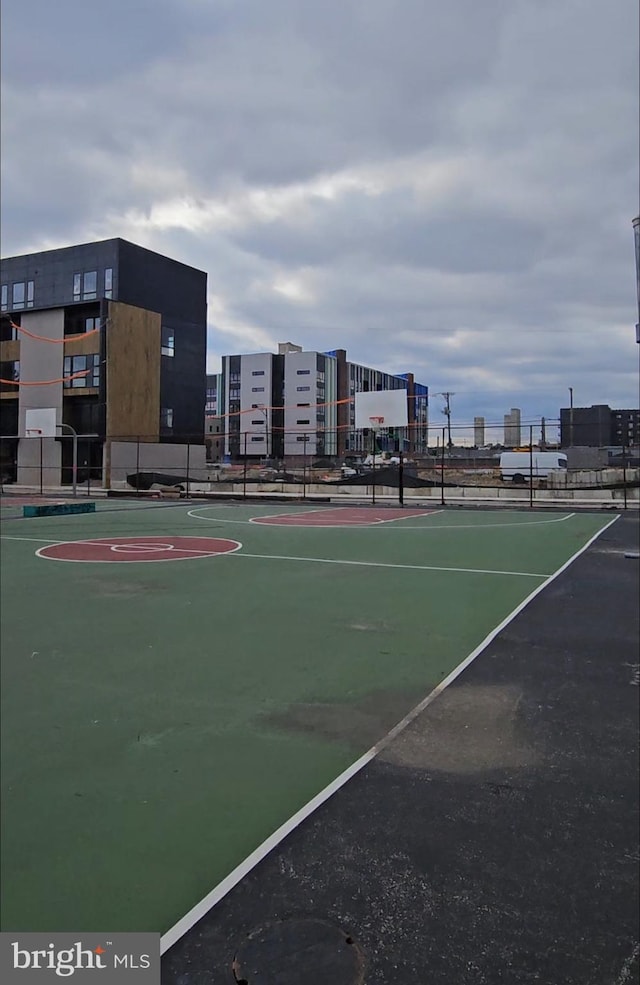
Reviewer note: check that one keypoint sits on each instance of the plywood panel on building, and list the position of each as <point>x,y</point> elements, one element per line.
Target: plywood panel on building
<point>87,391</point>
<point>10,351</point>
<point>83,346</point>
<point>133,372</point>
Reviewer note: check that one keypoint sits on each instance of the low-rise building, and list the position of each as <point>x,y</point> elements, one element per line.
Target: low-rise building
<point>302,403</point>
<point>112,337</point>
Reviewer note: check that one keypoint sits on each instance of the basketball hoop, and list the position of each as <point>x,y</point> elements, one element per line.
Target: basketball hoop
<point>376,423</point>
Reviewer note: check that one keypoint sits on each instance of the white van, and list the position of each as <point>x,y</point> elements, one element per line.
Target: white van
<point>516,465</point>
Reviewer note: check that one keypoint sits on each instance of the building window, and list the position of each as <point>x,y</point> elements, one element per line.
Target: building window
<point>234,377</point>
<point>4,298</point>
<point>261,421</point>
<point>77,280</point>
<point>300,388</point>
<point>82,364</point>
<point>259,438</point>
<point>303,372</point>
<point>166,417</point>
<point>91,324</point>
<point>108,282</point>
<point>304,420</point>
<point>18,295</point>
<point>30,293</point>
<point>257,372</point>
<point>303,405</point>
<point>302,437</point>
<point>257,389</point>
<point>168,347</point>
<point>90,285</point>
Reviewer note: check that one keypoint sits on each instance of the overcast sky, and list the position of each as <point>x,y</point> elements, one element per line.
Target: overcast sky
<point>443,188</point>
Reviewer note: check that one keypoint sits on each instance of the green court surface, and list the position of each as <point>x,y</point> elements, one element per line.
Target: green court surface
<point>161,720</point>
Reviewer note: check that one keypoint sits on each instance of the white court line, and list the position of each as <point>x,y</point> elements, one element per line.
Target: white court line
<point>380,564</point>
<point>137,544</point>
<point>105,543</point>
<point>411,515</point>
<point>276,557</point>
<point>194,514</point>
<point>189,920</point>
<point>123,547</point>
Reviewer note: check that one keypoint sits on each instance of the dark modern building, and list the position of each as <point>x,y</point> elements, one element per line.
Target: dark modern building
<point>625,427</point>
<point>599,427</point>
<point>111,335</point>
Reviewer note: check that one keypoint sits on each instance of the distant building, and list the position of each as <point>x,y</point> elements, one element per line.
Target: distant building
<point>599,426</point>
<point>111,336</point>
<point>625,427</point>
<point>512,430</point>
<point>478,432</point>
<point>299,402</point>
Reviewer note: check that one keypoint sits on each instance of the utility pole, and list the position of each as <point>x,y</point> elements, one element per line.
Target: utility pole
<point>636,236</point>
<point>447,413</point>
<point>571,417</point>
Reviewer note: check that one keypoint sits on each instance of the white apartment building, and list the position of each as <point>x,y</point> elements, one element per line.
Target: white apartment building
<point>301,403</point>
<point>310,381</point>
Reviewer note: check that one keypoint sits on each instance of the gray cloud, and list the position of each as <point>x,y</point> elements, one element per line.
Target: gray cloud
<point>443,189</point>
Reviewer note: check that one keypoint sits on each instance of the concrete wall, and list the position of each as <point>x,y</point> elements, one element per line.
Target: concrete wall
<point>452,493</point>
<point>40,361</point>
<point>591,477</point>
<point>129,456</point>
<point>585,457</point>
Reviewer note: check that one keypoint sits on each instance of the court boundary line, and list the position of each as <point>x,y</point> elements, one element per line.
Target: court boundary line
<point>383,564</point>
<point>271,557</point>
<point>197,912</point>
<point>193,513</point>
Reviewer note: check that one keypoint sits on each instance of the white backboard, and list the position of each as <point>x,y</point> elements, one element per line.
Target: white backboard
<point>390,404</point>
<point>40,422</point>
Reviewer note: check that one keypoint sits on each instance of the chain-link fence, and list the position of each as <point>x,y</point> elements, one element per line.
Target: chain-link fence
<point>519,461</point>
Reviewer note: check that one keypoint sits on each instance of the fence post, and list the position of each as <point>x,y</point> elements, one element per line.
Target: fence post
<point>244,471</point>
<point>74,463</point>
<point>89,446</point>
<point>373,475</point>
<point>304,468</point>
<point>137,466</point>
<point>41,464</point>
<point>401,480</point>
<point>188,463</point>
<point>531,466</point>
<point>624,474</point>
<point>444,431</point>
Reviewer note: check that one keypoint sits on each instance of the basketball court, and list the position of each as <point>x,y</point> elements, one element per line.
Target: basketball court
<point>166,724</point>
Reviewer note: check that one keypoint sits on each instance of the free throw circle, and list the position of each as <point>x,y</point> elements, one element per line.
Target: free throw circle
<point>116,550</point>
